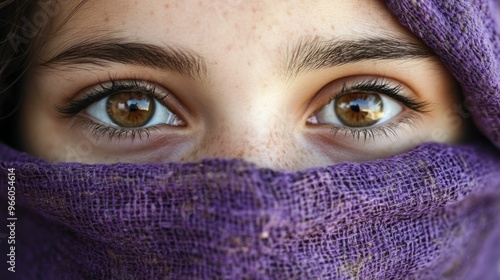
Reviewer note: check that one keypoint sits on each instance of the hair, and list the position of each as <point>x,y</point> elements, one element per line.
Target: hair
<point>18,37</point>
<point>14,60</point>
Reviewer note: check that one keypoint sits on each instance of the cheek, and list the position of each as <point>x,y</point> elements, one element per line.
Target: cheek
<point>45,133</point>
<point>450,121</point>
<point>451,126</point>
<point>41,136</point>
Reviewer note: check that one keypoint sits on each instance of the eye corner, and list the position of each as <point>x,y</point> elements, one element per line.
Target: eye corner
<point>138,106</point>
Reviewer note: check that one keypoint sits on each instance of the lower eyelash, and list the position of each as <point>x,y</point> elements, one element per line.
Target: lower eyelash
<point>99,131</point>
<point>387,130</point>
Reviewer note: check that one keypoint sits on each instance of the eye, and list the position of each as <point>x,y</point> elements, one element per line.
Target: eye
<point>132,109</point>
<point>123,109</point>
<point>361,105</point>
<point>357,109</point>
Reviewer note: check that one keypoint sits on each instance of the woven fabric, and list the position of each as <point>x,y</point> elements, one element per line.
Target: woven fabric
<point>465,34</point>
<point>423,215</point>
<point>431,213</point>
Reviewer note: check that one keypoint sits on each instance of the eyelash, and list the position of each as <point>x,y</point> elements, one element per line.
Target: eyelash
<point>380,86</point>
<point>102,91</point>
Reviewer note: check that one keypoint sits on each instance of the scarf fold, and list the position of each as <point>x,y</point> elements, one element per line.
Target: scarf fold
<point>426,214</point>
<point>465,34</point>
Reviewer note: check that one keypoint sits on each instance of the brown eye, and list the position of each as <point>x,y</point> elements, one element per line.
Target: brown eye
<point>359,109</point>
<point>133,105</point>
<point>130,109</point>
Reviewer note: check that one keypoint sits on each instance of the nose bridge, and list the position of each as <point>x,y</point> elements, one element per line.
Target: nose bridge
<point>248,118</point>
<point>247,137</point>
<point>264,140</point>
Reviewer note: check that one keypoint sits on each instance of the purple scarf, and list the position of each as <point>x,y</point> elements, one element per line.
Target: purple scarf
<point>431,213</point>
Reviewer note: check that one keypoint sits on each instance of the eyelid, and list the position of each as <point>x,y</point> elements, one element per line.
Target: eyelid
<point>392,108</point>
<point>413,106</point>
<point>97,93</point>
<point>102,90</point>
<point>374,84</point>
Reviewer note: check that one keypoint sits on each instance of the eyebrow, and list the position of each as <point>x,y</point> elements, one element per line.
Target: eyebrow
<point>306,55</point>
<point>114,50</point>
<point>315,54</point>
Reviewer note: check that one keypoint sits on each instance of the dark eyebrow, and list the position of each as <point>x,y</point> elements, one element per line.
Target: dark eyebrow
<point>114,50</point>
<point>315,54</point>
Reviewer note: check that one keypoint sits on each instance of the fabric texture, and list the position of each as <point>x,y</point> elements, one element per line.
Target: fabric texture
<point>431,213</point>
<point>423,215</point>
<point>465,34</point>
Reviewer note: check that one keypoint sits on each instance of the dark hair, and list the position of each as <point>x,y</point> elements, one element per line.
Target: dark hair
<point>20,28</point>
<point>15,53</point>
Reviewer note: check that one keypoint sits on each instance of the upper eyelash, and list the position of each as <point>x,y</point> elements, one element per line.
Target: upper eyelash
<point>102,91</point>
<point>383,86</point>
<point>388,130</point>
<point>106,89</point>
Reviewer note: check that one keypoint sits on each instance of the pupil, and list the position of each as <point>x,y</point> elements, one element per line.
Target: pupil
<point>359,109</point>
<point>130,109</point>
<point>133,107</point>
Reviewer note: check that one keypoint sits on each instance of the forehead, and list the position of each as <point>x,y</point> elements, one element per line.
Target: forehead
<point>212,27</point>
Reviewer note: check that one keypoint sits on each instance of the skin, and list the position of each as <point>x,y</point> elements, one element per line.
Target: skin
<point>246,106</point>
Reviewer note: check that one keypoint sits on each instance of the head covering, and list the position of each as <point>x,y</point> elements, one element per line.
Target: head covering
<point>430,213</point>
<point>465,34</point>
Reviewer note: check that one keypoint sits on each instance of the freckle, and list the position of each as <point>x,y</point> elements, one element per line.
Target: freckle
<point>332,27</point>
<point>106,19</point>
<point>166,6</point>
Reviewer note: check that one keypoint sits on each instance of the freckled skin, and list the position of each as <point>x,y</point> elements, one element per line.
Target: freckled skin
<point>245,108</point>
